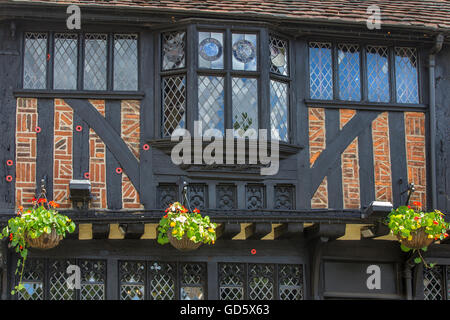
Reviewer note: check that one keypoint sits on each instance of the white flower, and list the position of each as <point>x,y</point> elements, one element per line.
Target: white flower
<point>182,219</point>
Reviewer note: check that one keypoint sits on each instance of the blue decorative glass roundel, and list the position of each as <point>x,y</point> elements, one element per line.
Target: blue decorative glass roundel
<point>244,51</point>
<point>210,49</point>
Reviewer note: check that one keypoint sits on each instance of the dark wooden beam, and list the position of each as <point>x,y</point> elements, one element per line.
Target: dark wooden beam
<point>133,230</point>
<point>100,230</point>
<point>258,230</point>
<point>325,231</point>
<point>292,230</point>
<point>227,231</point>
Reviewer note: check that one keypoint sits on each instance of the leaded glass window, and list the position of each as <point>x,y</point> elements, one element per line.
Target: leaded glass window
<point>173,50</point>
<point>231,281</point>
<point>192,286</point>
<point>290,282</point>
<point>174,103</point>
<point>433,283</point>
<point>65,65</point>
<point>261,284</point>
<point>59,290</point>
<point>93,276</point>
<point>163,280</point>
<point>132,280</point>
<point>125,62</point>
<point>32,280</point>
<point>35,65</point>
<point>279,110</point>
<point>210,50</point>
<point>211,103</point>
<point>95,61</point>
<point>406,75</point>
<point>349,72</point>
<point>377,73</point>
<point>279,53</point>
<point>244,51</point>
<point>245,106</point>
<point>320,71</point>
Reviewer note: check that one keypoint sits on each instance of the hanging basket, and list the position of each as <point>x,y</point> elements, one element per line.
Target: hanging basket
<point>419,239</point>
<point>45,240</point>
<point>184,244</point>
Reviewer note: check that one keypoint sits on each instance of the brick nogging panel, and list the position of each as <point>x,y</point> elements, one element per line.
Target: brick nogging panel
<point>26,143</point>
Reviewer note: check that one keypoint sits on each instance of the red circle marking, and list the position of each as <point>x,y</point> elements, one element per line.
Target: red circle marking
<point>119,170</point>
<point>253,251</point>
<point>78,128</point>
<point>146,147</point>
<point>9,162</point>
<point>9,178</point>
<point>87,175</point>
<point>37,129</point>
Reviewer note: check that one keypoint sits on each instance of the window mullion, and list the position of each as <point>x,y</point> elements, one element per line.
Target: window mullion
<point>335,66</point>
<point>80,69</point>
<point>110,62</point>
<point>264,82</point>
<point>50,62</point>
<point>227,85</point>
<point>191,79</point>
<point>363,72</point>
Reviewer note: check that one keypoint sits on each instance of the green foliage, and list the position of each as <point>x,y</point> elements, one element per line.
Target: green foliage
<point>33,222</point>
<point>179,221</point>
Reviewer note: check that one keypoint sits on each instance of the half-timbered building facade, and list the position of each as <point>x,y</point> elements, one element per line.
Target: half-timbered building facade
<point>361,115</point>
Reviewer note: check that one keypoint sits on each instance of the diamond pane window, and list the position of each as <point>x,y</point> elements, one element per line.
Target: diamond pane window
<point>125,62</point>
<point>231,281</point>
<point>132,280</point>
<point>320,71</point>
<point>93,276</point>
<point>65,61</point>
<point>174,103</point>
<point>433,283</point>
<point>35,61</point>
<point>278,56</point>
<point>95,56</point>
<point>162,280</point>
<point>211,102</point>
<point>406,75</point>
<point>378,73</point>
<point>193,278</point>
<point>210,50</point>
<point>290,278</point>
<point>279,110</point>
<point>173,50</point>
<point>245,51</point>
<point>261,284</point>
<point>59,290</point>
<point>245,106</point>
<point>32,280</point>
<point>349,72</point>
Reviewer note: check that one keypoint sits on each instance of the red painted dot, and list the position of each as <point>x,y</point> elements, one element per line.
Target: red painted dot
<point>37,129</point>
<point>87,175</point>
<point>146,147</point>
<point>9,178</point>
<point>48,57</point>
<point>119,170</point>
<point>9,162</point>
<point>253,251</point>
<point>78,128</point>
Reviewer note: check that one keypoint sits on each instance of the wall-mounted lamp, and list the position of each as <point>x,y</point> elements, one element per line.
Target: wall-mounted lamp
<point>377,209</point>
<point>80,193</point>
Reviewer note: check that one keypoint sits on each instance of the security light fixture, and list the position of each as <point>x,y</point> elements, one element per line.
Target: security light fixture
<point>378,209</point>
<point>80,193</point>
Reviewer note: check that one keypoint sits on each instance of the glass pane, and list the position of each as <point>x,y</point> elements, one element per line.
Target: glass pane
<point>211,102</point>
<point>279,56</point>
<point>35,63</point>
<point>210,50</point>
<point>261,281</point>
<point>290,279</point>
<point>245,106</point>
<point>279,110</point>
<point>93,275</point>
<point>378,74</point>
<point>125,62</point>
<point>433,283</point>
<point>162,283</point>
<point>173,50</point>
<point>95,51</point>
<point>193,278</point>
<point>406,75</point>
<point>59,290</point>
<point>66,61</point>
<point>320,71</point>
<point>174,103</point>
<point>349,72</point>
<point>245,51</point>
<point>132,280</point>
<point>33,279</point>
<point>231,281</point>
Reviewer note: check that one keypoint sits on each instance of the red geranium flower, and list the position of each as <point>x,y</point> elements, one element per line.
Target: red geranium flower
<point>41,200</point>
<point>417,203</point>
<point>196,210</point>
<point>435,222</point>
<point>416,218</point>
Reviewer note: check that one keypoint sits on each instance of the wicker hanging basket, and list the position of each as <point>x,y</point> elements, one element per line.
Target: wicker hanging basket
<point>419,239</point>
<point>184,244</point>
<point>44,241</point>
